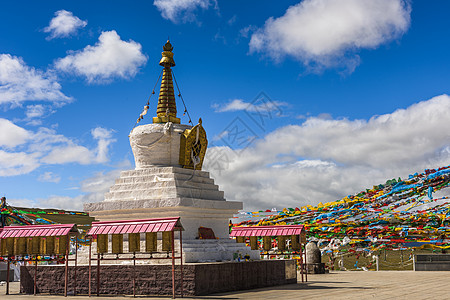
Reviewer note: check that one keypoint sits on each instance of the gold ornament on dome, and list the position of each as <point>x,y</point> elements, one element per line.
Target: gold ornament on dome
<point>193,146</point>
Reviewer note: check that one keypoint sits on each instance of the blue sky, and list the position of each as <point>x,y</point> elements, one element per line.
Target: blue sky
<point>328,97</point>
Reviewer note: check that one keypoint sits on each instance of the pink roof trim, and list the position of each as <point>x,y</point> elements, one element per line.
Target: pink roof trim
<point>135,226</point>
<point>275,230</point>
<point>36,230</point>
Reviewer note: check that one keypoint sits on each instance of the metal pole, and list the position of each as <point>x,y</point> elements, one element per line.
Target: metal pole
<point>181,262</point>
<point>90,259</point>
<point>66,274</point>
<point>98,274</point>
<point>377,259</point>
<point>173,264</point>
<point>306,269</point>
<point>7,277</point>
<point>134,275</point>
<point>35,273</point>
<point>75,271</point>
<point>414,262</point>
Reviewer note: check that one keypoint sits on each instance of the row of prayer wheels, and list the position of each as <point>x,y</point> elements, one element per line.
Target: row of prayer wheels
<point>134,242</point>
<point>49,245</point>
<point>267,242</point>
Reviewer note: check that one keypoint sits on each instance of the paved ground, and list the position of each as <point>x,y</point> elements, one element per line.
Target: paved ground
<point>336,285</point>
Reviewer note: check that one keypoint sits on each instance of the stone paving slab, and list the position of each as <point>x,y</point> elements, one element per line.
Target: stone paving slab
<point>335,285</point>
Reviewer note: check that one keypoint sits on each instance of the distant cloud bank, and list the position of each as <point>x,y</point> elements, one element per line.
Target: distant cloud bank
<point>325,159</point>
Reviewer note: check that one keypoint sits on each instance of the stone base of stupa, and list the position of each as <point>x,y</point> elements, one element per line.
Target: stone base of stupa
<point>162,192</point>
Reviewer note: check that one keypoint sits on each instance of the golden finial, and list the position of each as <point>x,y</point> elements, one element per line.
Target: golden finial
<point>166,110</point>
<point>167,56</point>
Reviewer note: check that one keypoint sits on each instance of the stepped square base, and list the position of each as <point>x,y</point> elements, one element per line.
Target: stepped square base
<point>198,279</point>
<point>163,192</point>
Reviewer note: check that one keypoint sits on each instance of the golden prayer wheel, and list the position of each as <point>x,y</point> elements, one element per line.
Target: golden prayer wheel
<point>102,243</point>
<point>151,242</point>
<point>134,242</point>
<point>60,244</point>
<point>240,239</point>
<point>167,241</point>
<point>9,245</point>
<point>49,245</point>
<point>254,242</point>
<point>35,245</point>
<point>281,243</point>
<point>117,243</point>
<point>295,242</point>
<point>3,247</point>
<point>20,246</point>
<point>267,243</point>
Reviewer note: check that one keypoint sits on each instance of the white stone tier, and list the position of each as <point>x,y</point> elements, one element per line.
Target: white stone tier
<point>157,144</point>
<point>163,183</point>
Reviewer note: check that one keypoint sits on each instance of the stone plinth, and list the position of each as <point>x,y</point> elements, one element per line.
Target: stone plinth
<point>199,279</point>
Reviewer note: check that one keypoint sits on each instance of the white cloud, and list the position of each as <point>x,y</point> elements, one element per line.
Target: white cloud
<point>181,10</point>
<point>326,159</point>
<point>64,24</point>
<point>19,82</point>
<point>70,152</point>
<point>109,58</point>
<point>49,177</point>
<point>11,134</point>
<point>94,189</point>
<point>17,163</point>
<point>35,111</point>
<point>238,104</point>
<point>45,146</point>
<point>328,33</point>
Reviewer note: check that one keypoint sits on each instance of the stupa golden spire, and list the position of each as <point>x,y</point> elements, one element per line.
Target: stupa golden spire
<point>166,110</point>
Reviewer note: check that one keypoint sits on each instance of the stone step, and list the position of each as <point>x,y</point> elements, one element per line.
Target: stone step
<point>164,177</point>
<point>164,170</point>
<point>162,184</point>
<point>164,193</point>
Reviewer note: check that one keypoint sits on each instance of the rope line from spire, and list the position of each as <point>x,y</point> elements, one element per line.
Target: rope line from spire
<point>146,107</point>
<point>181,97</point>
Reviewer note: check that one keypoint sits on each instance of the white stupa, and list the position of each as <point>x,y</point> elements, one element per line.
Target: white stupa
<point>168,181</point>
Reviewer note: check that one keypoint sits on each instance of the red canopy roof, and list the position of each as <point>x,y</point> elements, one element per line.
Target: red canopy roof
<point>36,230</point>
<point>275,230</point>
<point>135,226</point>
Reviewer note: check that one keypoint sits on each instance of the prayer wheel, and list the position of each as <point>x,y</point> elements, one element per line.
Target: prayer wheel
<point>267,243</point>
<point>117,243</point>
<point>134,242</point>
<point>281,243</point>
<point>49,245</point>
<point>20,246</point>
<point>60,244</point>
<point>254,243</point>
<point>3,247</point>
<point>102,243</point>
<point>240,239</point>
<point>295,242</point>
<point>35,245</point>
<point>9,246</point>
<point>167,241</point>
<point>151,240</point>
